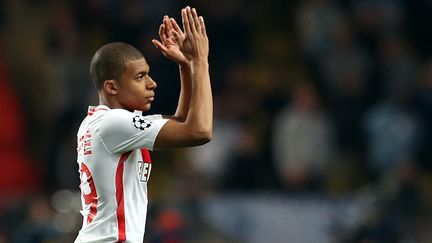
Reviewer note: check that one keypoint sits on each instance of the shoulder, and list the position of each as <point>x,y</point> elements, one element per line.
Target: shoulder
<point>117,113</point>
<point>121,115</point>
<point>120,119</point>
<point>122,130</point>
<point>115,118</point>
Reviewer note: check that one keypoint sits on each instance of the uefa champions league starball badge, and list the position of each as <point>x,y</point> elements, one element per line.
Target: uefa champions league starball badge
<point>141,123</point>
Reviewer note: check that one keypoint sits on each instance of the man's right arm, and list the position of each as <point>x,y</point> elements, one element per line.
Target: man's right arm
<point>198,125</point>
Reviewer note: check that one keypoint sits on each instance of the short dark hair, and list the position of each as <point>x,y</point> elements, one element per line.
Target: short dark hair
<point>108,62</point>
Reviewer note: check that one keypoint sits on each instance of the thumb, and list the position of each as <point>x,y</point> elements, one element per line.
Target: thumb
<point>159,45</point>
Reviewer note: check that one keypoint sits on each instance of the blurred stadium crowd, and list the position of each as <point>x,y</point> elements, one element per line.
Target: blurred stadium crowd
<point>323,120</point>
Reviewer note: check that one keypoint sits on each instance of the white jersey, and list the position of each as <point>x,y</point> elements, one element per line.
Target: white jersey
<point>114,166</point>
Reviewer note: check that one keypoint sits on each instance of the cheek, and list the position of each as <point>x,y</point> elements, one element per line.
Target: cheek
<point>140,91</point>
<point>129,94</point>
<point>134,90</point>
<point>138,94</point>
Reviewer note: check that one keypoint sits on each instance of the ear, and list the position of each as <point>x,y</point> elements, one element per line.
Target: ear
<point>110,87</point>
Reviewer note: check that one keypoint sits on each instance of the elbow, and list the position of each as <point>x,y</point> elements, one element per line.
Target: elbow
<point>208,136</point>
<point>204,137</point>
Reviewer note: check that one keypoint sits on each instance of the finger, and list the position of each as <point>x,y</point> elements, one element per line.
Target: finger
<point>168,24</point>
<point>191,20</point>
<point>177,37</point>
<point>202,24</point>
<point>159,46</point>
<point>185,21</point>
<point>162,33</point>
<point>176,26</point>
<point>195,18</point>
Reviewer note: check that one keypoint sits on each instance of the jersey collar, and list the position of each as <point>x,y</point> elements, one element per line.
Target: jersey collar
<point>94,109</point>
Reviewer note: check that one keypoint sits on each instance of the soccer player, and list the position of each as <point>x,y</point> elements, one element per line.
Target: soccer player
<point>114,138</point>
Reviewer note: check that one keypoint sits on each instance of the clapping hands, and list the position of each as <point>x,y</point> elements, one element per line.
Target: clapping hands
<point>183,47</point>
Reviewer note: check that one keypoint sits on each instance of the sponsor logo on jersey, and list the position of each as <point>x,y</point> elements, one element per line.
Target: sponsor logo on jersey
<point>143,169</point>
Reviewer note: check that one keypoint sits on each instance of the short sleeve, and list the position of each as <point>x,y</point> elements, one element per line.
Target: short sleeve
<point>122,131</point>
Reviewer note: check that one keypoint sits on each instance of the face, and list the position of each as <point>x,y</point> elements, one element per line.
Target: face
<point>135,90</point>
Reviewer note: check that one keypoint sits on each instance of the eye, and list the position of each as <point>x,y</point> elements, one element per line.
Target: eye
<point>140,76</point>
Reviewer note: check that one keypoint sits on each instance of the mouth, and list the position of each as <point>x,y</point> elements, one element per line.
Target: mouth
<point>151,98</point>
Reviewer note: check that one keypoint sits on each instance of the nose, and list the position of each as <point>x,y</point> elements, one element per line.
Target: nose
<point>151,84</point>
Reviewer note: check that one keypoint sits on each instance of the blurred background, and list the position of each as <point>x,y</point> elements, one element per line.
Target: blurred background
<point>323,120</point>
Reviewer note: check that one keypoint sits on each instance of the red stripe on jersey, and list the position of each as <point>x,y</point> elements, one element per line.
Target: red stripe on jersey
<point>146,155</point>
<point>91,198</point>
<point>120,197</point>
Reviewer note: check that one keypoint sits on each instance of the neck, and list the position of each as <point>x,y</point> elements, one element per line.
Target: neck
<point>111,103</point>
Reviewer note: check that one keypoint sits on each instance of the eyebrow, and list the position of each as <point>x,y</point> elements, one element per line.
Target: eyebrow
<point>142,72</point>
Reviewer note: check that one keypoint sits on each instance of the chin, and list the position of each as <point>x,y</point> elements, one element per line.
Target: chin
<point>146,107</point>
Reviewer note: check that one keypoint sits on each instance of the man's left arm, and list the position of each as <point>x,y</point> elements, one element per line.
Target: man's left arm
<point>172,38</point>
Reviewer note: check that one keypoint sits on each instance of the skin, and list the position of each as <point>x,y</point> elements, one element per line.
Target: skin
<point>192,123</point>
<point>134,90</point>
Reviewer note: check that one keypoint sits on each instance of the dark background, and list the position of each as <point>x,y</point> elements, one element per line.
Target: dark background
<point>323,113</point>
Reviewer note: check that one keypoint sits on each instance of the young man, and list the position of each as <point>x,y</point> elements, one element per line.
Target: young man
<point>114,138</point>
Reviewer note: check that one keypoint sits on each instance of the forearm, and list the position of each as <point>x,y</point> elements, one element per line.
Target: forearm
<point>197,128</point>
<point>200,114</point>
<point>185,92</point>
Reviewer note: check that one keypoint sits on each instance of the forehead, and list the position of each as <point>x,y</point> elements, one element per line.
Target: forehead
<point>133,67</point>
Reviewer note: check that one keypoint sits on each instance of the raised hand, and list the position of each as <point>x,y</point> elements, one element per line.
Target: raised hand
<point>192,124</point>
<point>172,38</point>
<point>195,46</point>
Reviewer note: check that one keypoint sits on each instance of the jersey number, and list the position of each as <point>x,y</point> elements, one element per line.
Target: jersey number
<point>88,191</point>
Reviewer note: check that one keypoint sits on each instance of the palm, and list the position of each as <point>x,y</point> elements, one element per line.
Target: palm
<point>174,49</point>
<point>172,38</point>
